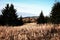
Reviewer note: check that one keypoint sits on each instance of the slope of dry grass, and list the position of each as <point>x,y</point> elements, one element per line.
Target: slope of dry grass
<point>30,31</point>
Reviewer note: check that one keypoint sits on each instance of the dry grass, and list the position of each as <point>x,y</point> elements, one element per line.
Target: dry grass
<point>30,31</point>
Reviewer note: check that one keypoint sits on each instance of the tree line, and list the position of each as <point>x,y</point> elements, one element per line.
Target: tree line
<point>10,17</point>
<point>54,17</point>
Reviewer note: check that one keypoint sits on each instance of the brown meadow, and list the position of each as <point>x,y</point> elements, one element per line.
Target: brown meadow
<point>30,31</point>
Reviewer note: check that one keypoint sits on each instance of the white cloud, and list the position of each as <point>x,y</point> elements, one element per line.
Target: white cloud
<point>32,9</point>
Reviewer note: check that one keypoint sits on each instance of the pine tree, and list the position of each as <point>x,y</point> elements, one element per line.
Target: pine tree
<point>9,16</point>
<point>5,13</point>
<point>12,15</point>
<point>12,12</point>
<point>41,19</point>
<point>55,13</point>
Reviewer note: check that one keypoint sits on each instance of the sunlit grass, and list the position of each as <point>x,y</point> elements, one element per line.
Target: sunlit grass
<point>30,31</point>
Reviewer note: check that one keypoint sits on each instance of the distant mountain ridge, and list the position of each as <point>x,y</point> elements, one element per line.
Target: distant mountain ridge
<point>23,14</point>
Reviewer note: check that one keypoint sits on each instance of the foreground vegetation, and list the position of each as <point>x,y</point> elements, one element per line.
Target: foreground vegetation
<point>31,31</point>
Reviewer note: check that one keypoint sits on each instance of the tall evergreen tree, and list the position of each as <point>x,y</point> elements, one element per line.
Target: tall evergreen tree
<point>55,13</point>
<point>41,19</point>
<point>12,15</point>
<point>5,13</point>
<point>12,12</point>
<point>9,16</point>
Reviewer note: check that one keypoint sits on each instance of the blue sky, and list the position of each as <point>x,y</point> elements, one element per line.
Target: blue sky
<point>29,7</point>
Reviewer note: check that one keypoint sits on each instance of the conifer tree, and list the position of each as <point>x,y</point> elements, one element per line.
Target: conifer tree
<point>9,16</point>
<point>55,13</point>
<point>12,15</point>
<point>41,19</point>
<point>5,13</point>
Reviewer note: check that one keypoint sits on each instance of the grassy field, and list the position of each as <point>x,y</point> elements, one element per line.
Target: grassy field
<point>30,31</point>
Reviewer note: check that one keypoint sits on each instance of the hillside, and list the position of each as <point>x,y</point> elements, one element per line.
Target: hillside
<point>31,19</point>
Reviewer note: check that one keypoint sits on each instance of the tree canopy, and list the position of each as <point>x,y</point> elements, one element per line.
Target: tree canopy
<point>41,19</point>
<point>55,13</point>
<point>9,16</point>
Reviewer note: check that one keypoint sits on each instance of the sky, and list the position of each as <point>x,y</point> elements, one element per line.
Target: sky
<point>29,7</point>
